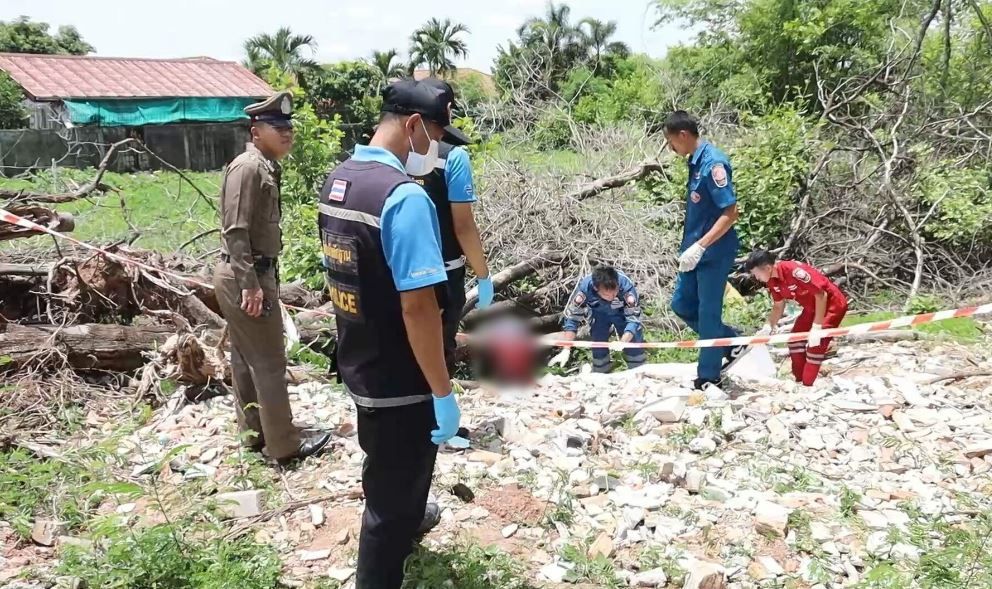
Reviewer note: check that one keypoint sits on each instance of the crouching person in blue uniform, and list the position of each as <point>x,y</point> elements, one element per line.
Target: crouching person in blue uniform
<point>608,300</point>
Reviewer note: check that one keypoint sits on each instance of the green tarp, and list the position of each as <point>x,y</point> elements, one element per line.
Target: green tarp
<point>156,111</point>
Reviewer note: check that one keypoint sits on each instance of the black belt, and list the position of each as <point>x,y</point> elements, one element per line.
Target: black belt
<point>260,263</point>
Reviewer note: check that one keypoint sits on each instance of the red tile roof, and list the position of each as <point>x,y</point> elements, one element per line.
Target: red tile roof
<point>56,77</point>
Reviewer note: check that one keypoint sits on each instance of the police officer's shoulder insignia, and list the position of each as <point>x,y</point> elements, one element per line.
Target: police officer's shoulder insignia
<point>719,173</point>
<point>580,298</point>
<point>339,189</point>
<point>695,197</point>
<point>631,300</point>
<point>801,275</point>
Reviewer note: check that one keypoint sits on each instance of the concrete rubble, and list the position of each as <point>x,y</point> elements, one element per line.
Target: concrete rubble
<point>774,482</point>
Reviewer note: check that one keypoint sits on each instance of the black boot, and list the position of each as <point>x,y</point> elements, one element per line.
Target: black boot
<point>700,383</point>
<point>432,517</point>
<point>309,446</point>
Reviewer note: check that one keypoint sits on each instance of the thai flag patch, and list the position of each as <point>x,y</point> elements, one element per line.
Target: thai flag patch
<point>338,189</point>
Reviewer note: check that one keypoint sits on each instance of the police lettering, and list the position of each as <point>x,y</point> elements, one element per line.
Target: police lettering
<point>345,301</point>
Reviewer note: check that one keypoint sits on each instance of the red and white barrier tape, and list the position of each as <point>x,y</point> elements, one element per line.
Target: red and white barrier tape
<point>784,338</point>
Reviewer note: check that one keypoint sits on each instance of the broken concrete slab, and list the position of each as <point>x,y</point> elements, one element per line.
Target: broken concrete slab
<point>240,504</point>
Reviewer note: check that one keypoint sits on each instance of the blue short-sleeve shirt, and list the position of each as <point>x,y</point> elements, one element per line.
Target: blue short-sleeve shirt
<point>710,190</point>
<point>458,176</point>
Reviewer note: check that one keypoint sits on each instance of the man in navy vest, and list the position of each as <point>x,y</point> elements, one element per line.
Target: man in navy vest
<point>709,243</point>
<point>382,254</point>
<point>449,185</point>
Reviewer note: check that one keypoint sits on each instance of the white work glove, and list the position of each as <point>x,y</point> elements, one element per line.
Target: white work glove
<point>766,329</point>
<point>617,346</point>
<point>690,258</point>
<point>561,358</point>
<point>814,339</point>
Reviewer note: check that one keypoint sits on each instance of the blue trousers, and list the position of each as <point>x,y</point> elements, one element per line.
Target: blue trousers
<point>599,331</point>
<point>698,301</point>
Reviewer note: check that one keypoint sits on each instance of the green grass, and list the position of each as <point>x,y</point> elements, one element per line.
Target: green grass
<point>164,208</point>
<point>953,555</point>
<point>962,329</point>
<point>654,557</point>
<point>464,567</point>
<point>173,556</point>
<point>557,161</point>
<point>59,489</point>
<point>597,570</point>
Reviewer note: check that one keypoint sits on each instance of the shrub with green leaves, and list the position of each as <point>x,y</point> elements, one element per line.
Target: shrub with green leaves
<point>301,253</point>
<point>961,199</point>
<point>315,151</point>
<point>33,488</point>
<point>172,556</point>
<point>768,166</point>
<point>632,93</point>
<point>553,130</point>
<point>13,115</point>
<point>464,567</point>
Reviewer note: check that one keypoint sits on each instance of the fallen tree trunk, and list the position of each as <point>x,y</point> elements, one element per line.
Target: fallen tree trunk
<point>25,269</point>
<point>62,222</point>
<point>525,302</point>
<point>611,182</point>
<point>84,347</point>
<point>516,272</point>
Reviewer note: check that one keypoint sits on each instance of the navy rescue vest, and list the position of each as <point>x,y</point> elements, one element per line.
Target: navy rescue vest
<point>374,358</point>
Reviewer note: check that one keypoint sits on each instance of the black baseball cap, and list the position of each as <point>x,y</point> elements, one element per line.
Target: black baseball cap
<point>429,100</point>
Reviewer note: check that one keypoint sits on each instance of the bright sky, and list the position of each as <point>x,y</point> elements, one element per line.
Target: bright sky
<point>218,28</point>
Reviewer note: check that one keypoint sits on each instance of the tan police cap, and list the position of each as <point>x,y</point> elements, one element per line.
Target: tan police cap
<point>276,110</point>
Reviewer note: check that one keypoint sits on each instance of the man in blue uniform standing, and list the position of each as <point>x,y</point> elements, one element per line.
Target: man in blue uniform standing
<point>382,255</point>
<point>608,300</point>
<point>449,185</point>
<point>709,243</point>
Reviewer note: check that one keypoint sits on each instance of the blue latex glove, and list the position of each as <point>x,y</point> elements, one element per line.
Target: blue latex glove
<point>448,417</point>
<point>485,292</point>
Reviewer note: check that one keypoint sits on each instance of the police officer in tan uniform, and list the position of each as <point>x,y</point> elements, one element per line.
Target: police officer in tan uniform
<point>247,284</point>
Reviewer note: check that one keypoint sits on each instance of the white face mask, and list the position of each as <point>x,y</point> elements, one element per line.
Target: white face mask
<point>418,164</point>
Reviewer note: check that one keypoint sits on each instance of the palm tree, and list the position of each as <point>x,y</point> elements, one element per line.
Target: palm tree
<point>284,51</point>
<point>384,62</point>
<point>436,43</point>
<point>554,31</point>
<point>596,36</point>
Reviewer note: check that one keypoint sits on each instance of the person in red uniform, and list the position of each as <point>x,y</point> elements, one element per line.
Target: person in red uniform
<point>824,307</point>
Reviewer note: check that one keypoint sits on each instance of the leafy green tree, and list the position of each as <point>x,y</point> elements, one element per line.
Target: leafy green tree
<point>25,36</point>
<point>436,43</point>
<point>783,45</point>
<point>388,64</point>
<point>349,89</point>
<point>13,115</point>
<point>549,48</point>
<point>283,50</point>
<point>472,91</point>
<point>633,92</point>
<point>597,37</point>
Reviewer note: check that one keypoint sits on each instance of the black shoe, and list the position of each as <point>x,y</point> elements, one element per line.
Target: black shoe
<point>432,517</point>
<point>309,446</point>
<point>700,383</point>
